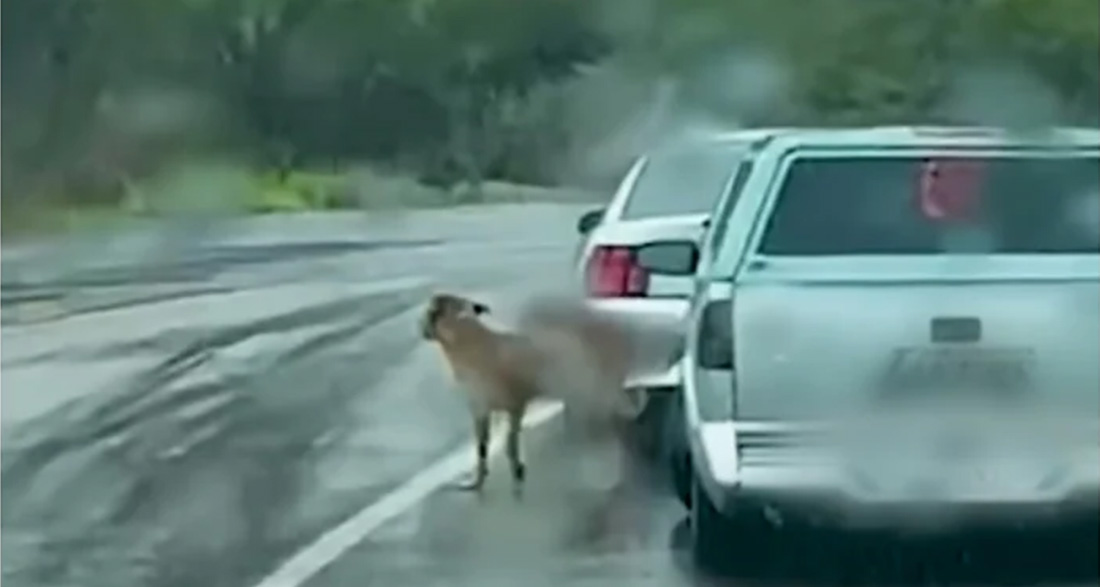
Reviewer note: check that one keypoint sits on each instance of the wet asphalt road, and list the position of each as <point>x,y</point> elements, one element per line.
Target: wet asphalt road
<point>556,535</point>
<point>198,440</point>
<point>213,454</point>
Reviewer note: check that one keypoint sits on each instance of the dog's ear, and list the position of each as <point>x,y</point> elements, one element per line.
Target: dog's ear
<point>480,308</point>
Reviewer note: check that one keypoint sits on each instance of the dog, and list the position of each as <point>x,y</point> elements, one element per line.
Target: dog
<point>560,352</point>
<point>494,369</point>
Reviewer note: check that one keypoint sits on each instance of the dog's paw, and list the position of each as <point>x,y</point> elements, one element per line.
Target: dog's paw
<point>467,486</point>
<point>473,483</point>
<point>519,473</point>
<point>519,478</point>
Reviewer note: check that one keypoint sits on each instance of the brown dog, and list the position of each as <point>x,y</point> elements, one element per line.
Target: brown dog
<point>493,368</point>
<point>561,352</point>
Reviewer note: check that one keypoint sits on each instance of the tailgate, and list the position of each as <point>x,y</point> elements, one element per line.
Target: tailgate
<point>820,338</point>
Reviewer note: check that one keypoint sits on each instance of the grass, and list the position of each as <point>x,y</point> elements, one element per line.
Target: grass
<point>23,221</point>
<point>220,189</point>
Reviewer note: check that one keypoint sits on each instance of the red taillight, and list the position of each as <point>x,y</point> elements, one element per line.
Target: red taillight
<point>614,273</point>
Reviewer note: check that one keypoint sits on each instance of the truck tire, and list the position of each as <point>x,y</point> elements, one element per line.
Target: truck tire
<point>740,544</point>
<point>711,532</point>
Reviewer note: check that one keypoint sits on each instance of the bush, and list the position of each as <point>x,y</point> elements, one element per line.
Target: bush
<point>298,191</point>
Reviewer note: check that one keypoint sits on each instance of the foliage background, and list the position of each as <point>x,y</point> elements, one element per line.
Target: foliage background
<point>140,106</point>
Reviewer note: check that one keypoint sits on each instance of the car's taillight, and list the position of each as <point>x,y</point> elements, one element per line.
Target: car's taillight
<point>714,375</point>
<point>715,343</point>
<point>613,272</point>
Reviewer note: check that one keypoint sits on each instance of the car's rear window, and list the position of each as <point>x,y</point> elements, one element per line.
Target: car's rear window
<point>686,180</point>
<point>921,205</point>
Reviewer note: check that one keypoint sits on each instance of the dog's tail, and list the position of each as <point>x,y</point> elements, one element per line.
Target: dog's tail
<point>589,356</point>
<point>632,404</point>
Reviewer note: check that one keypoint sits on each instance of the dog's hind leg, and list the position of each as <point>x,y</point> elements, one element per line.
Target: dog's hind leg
<point>481,469</point>
<point>515,427</point>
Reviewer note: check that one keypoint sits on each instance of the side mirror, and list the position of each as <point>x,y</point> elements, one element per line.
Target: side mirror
<point>589,220</point>
<point>668,257</point>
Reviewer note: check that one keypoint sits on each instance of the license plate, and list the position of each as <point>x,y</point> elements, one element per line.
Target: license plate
<point>953,369</point>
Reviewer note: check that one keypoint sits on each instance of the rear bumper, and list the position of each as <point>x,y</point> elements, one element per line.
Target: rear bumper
<point>656,312</point>
<point>832,509</point>
<point>668,380</point>
<point>803,487</point>
<point>657,326</point>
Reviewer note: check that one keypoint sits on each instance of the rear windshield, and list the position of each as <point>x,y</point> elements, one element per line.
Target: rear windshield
<point>682,181</point>
<point>922,206</point>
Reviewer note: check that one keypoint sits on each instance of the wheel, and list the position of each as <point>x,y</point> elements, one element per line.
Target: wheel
<point>646,431</point>
<point>719,543</point>
<point>711,531</point>
<point>1081,543</point>
<point>676,454</point>
<point>680,477</point>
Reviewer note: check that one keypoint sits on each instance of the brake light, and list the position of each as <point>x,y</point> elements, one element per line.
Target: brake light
<point>715,342</point>
<point>613,272</point>
<point>715,377</point>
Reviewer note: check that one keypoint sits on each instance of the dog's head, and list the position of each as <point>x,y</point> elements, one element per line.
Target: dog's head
<point>443,307</point>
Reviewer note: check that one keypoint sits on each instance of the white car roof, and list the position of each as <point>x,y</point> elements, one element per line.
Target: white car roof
<point>747,135</point>
<point>938,136</point>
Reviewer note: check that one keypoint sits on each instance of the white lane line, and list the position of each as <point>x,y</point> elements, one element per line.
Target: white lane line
<point>331,545</point>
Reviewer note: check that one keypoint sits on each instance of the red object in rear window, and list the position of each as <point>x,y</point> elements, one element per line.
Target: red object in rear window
<point>951,190</point>
<point>613,273</point>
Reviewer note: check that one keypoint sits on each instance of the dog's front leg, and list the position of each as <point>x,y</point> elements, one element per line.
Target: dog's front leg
<point>481,469</point>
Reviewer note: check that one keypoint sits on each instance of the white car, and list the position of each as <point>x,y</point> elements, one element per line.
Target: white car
<point>666,194</point>
<point>895,328</point>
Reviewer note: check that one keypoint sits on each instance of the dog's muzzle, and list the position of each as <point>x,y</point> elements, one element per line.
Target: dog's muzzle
<point>427,328</point>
